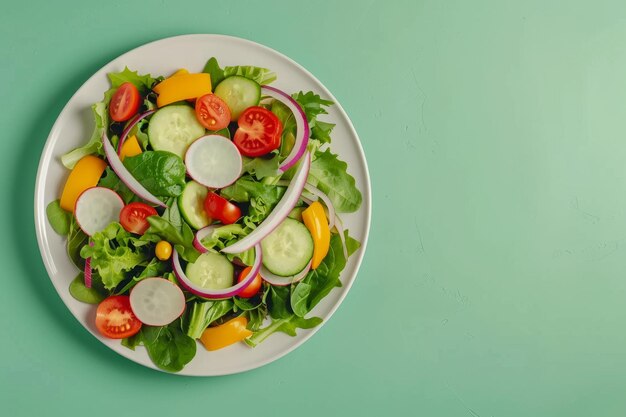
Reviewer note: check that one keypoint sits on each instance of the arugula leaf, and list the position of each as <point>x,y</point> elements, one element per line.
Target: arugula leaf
<point>161,172</point>
<point>92,295</point>
<point>58,218</point>
<point>286,325</point>
<point>330,175</point>
<point>299,296</point>
<point>213,69</point>
<point>112,181</point>
<point>169,348</point>
<point>142,82</point>
<point>260,75</point>
<point>113,254</point>
<point>204,313</point>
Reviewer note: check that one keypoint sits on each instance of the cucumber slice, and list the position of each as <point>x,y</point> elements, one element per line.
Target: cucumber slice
<point>288,249</point>
<point>173,129</point>
<point>191,205</point>
<point>211,271</point>
<point>239,93</point>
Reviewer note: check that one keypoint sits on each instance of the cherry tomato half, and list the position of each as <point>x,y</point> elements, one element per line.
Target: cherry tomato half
<point>221,209</point>
<point>124,103</point>
<point>133,217</point>
<point>254,287</point>
<point>258,133</point>
<point>115,319</point>
<point>212,112</point>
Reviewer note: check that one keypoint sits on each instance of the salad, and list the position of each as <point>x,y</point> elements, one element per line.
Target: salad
<point>205,208</point>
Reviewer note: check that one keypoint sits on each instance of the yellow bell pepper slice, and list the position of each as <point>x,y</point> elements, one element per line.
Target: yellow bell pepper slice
<point>85,174</point>
<point>157,88</point>
<point>130,147</point>
<point>233,331</point>
<point>315,220</point>
<point>182,87</point>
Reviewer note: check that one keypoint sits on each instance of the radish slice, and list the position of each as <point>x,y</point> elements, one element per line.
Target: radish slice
<point>280,212</point>
<point>186,283</point>
<point>157,301</point>
<point>302,125</point>
<point>126,177</point>
<point>96,208</point>
<point>132,124</point>
<point>282,281</point>
<point>213,161</point>
<point>201,234</point>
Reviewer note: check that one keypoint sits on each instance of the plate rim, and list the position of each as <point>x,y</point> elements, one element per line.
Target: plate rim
<point>46,156</point>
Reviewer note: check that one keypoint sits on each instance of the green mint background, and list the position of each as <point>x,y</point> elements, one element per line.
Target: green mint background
<point>494,282</point>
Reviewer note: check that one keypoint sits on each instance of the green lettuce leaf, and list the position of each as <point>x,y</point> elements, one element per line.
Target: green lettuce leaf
<point>330,175</point>
<point>113,254</point>
<point>142,82</point>
<point>261,75</point>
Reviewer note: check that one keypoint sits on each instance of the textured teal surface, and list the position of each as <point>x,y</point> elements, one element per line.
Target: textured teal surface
<point>494,280</point>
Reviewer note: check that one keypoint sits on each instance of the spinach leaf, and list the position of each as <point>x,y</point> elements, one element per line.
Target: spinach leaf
<point>203,313</point>
<point>112,181</point>
<point>260,75</point>
<point>213,69</point>
<point>58,218</point>
<point>92,295</point>
<point>163,229</point>
<point>76,239</point>
<point>169,348</point>
<point>330,175</point>
<point>113,254</point>
<point>161,172</point>
<point>278,302</point>
<point>299,297</point>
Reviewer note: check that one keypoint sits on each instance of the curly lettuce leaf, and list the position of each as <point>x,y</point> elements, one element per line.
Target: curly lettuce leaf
<point>260,75</point>
<point>330,175</point>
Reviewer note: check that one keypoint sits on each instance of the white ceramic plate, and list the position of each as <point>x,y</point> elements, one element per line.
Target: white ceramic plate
<point>74,125</point>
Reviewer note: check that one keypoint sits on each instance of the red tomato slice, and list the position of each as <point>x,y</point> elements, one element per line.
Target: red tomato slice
<point>133,217</point>
<point>124,103</point>
<point>221,209</point>
<point>254,287</point>
<point>212,112</point>
<point>115,319</point>
<point>258,133</point>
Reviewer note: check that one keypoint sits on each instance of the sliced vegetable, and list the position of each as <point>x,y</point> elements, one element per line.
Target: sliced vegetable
<point>288,249</point>
<point>283,281</point>
<point>226,334</point>
<point>220,293</point>
<point>239,93</point>
<point>254,287</point>
<point>125,176</point>
<point>212,112</point>
<point>174,128</point>
<point>259,132</point>
<point>280,212</point>
<point>85,174</point>
<point>157,301</point>
<point>211,271</point>
<point>201,234</point>
<point>191,205</point>
<point>302,126</point>
<point>213,161</point>
<point>315,220</point>
<point>126,132</point>
<point>115,318</point>
<point>130,148</point>
<point>125,102</point>
<point>163,250</point>
<point>96,208</point>
<point>182,87</point>
<point>133,217</point>
<point>221,209</point>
